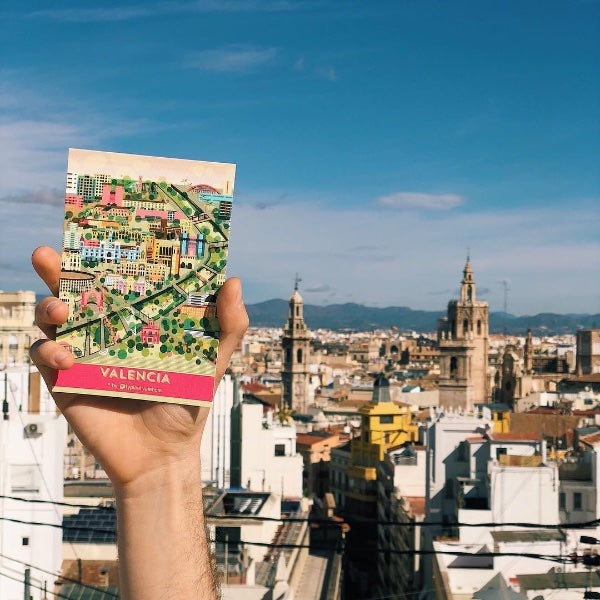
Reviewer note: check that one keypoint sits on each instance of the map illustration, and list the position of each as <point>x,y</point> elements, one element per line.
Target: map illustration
<point>144,253</point>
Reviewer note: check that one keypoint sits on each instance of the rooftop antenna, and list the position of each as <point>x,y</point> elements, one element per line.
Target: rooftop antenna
<point>297,280</point>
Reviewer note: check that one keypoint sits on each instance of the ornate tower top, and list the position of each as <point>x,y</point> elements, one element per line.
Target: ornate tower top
<point>467,290</point>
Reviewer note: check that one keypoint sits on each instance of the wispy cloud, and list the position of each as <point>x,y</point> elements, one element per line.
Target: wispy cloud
<point>40,196</point>
<point>328,73</point>
<point>410,200</point>
<point>318,288</point>
<point>425,254</point>
<point>140,11</point>
<point>231,59</point>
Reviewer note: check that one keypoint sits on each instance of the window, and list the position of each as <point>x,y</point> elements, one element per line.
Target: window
<point>577,501</point>
<point>279,449</point>
<point>24,479</point>
<point>386,419</point>
<point>25,541</point>
<point>299,355</point>
<point>479,327</point>
<point>500,452</point>
<point>453,365</point>
<point>562,502</point>
<point>465,327</point>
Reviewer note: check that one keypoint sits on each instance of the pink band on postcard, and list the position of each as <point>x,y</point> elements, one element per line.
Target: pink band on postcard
<point>131,381</point>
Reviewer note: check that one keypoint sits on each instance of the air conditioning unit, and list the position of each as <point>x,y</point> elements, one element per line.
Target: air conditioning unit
<point>33,430</point>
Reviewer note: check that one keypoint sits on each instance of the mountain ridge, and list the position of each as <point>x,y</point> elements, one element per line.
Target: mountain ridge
<point>358,317</point>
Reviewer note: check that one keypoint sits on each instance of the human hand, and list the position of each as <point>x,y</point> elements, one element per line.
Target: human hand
<point>133,440</point>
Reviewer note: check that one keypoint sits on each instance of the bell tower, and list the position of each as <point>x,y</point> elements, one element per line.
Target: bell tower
<point>296,350</point>
<point>463,341</point>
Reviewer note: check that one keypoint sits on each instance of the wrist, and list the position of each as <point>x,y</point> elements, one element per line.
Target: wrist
<point>175,477</point>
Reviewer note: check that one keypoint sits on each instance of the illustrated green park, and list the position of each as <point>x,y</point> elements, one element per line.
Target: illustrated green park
<point>104,334</point>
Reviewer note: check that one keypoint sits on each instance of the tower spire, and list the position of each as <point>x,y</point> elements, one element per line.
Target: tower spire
<point>467,292</point>
<point>297,280</point>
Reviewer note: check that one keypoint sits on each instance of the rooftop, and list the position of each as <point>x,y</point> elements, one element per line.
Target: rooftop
<point>515,437</point>
<point>312,438</point>
<point>529,535</point>
<point>548,581</point>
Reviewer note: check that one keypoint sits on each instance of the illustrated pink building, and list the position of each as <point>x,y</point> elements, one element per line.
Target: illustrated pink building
<point>112,196</point>
<point>150,333</point>
<point>74,200</point>
<point>95,296</point>
<point>161,214</point>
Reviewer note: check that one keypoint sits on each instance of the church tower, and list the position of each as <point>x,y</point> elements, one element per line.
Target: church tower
<point>463,341</point>
<point>296,350</point>
<point>528,353</point>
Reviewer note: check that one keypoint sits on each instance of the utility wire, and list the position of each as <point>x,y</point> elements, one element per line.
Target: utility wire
<point>556,558</point>
<point>59,575</point>
<point>37,462</point>
<point>346,520</point>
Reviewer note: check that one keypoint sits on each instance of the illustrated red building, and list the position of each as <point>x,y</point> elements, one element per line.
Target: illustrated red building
<point>150,334</point>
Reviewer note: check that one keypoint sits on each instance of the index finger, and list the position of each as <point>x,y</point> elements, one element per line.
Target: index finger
<point>46,262</point>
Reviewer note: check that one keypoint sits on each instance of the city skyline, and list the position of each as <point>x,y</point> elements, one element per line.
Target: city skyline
<point>374,144</point>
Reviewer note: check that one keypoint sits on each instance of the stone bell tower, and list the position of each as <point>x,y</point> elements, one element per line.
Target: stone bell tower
<point>296,349</point>
<point>463,340</point>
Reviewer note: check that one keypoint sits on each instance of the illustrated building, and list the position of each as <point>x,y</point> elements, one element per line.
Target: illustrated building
<point>296,349</point>
<point>463,342</point>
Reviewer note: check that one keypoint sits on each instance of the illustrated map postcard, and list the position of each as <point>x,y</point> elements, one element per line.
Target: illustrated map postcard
<point>144,253</point>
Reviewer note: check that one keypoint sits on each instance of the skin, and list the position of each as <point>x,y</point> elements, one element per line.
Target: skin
<point>151,453</point>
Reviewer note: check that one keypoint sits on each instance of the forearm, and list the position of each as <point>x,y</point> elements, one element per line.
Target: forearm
<point>163,551</point>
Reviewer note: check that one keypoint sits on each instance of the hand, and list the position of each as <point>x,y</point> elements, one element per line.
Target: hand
<point>133,440</point>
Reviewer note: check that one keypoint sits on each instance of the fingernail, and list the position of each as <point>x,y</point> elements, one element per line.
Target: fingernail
<point>52,306</point>
<point>61,356</point>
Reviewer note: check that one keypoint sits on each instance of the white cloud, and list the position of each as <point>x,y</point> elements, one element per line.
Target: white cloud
<point>407,200</point>
<point>33,154</point>
<point>317,288</point>
<point>232,59</point>
<point>548,254</point>
<point>328,73</point>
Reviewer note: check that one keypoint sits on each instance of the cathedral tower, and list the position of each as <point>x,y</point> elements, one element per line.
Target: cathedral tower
<point>296,349</point>
<point>463,340</point>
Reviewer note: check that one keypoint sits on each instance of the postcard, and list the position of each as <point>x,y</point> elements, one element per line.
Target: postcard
<point>144,253</point>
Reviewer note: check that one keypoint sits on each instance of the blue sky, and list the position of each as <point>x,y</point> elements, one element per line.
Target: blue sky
<point>375,141</point>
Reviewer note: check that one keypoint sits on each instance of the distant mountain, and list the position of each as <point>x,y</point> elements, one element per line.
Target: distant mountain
<point>273,313</point>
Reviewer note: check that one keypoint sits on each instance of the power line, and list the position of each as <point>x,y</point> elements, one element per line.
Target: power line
<point>446,524</point>
<point>54,574</point>
<point>556,558</point>
<point>37,462</point>
<point>69,504</point>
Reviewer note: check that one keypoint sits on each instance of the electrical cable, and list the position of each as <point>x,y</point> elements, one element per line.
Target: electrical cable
<point>37,462</point>
<point>576,525</point>
<point>555,558</point>
<point>59,575</point>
